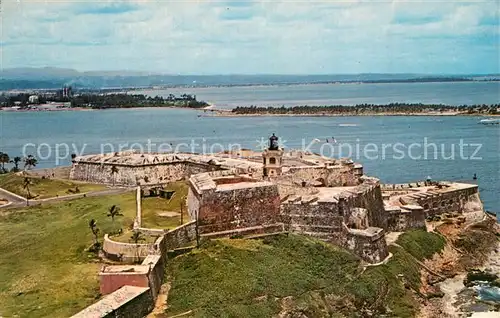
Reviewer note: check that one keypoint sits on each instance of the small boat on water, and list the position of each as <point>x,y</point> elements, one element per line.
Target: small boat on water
<point>490,121</point>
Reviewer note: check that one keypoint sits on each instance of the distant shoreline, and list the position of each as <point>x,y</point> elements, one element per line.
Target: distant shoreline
<point>158,86</point>
<point>229,114</point>
<point>392,109</point>
<point>303,111</point>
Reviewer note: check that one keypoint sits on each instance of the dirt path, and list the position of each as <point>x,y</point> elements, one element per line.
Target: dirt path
<point>161,303</point>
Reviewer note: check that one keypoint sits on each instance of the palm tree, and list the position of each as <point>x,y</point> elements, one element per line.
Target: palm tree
<point>114,211</point>
<point>137,237</point>
<point>114,171</point>
<point>4,158</point>
<point>26,186</point>
<point>95,230</point>
<point>16,162</point>
<point>30,162</point>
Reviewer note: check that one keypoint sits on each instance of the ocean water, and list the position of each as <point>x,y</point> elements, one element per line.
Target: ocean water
<point>381,144</point>
<point>458,93</point>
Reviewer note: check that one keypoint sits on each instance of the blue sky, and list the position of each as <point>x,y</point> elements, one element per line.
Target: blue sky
<point>254,37</point>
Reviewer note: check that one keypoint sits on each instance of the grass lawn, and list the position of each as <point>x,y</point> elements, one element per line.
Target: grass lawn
<point>126,237</point>
<point>250,278</point>
<point>153,206</point>
<point>44,188</point>
<point>45,270</point>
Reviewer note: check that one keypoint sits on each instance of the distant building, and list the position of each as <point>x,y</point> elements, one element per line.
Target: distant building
<point>67,92</point>
<point>54,106</point>
<point>33,99</point>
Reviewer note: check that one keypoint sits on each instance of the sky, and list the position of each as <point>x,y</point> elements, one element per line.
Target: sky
<point>253,37</point>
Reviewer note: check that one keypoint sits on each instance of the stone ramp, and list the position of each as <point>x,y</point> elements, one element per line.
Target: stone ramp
<point>128,301</point>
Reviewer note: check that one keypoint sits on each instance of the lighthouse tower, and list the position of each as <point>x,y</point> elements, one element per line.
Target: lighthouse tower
<point>273,158</point>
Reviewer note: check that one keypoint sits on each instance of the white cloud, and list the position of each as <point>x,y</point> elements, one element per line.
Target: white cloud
<point>259,37</point>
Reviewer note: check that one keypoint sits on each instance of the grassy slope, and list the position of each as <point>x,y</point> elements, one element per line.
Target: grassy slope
<point>151,206</point>
<point>44,269</point>
<point>228,278</point>
<point>43,188</point>
<point>421,244</point>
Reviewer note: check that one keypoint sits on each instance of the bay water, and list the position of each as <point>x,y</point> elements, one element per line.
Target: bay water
<point>395,149</point>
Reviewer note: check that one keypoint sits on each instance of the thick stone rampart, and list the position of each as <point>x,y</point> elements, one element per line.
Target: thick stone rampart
<point>369,244</point>
<point>318,219</point>
<point>463,198</point>
<point>325,217</point>
<point>130,169</point>
<point>231,207</point>
<point>131,175</point>
<point>400,219</point>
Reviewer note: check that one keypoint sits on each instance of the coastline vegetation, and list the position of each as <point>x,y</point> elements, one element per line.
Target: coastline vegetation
<point>104,101</point>
<point>369,109</point>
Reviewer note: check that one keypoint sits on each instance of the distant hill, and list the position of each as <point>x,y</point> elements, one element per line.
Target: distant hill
<point>53,77</point>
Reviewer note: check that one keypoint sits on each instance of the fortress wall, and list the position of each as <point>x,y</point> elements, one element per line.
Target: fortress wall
<point>369,197</point>
<point>181,236</point>
<point>129,175</point>
<point>286,190</point>
<point>460,200</point>
<point>156,273</point>
<point>310,218</point>
<point>193,202</point>
<point>238,208</point>
<point>370,247</point>
<point>401,220</point>
<point>332,176</point>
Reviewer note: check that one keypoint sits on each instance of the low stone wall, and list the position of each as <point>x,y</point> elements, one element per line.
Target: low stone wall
<point>181,236</point>
<point>125,252</point>
<point>156,272</point>
<point>128,301</point>
<point>150,232</point>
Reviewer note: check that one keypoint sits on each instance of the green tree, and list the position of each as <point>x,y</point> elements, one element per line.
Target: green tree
<point>26,186</point>
<point>30,162</point>
<point>4,158</point>
<point>137,237</point>
<point>113,212</point>
<point>95,231</point>
<point>16,162</point>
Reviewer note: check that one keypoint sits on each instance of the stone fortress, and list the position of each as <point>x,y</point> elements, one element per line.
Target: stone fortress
<point>244,193</point>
